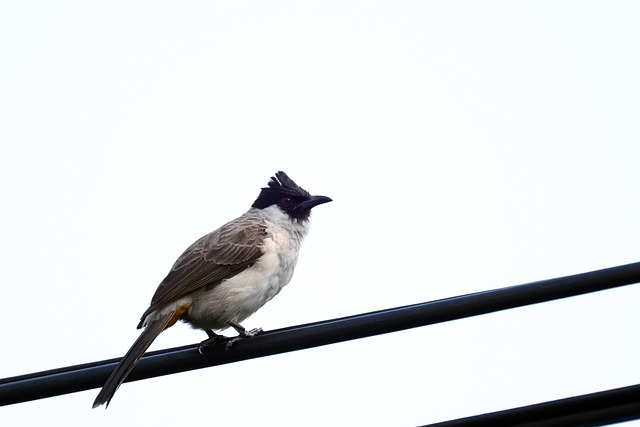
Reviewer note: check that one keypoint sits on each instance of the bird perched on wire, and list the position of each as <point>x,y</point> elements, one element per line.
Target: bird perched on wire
<point>225,276</point>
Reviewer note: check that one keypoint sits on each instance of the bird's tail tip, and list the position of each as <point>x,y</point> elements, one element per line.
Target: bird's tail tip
<point>102,399</point>
<point>130,359</point>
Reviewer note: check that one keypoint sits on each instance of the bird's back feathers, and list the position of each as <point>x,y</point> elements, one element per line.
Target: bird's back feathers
<point>211,259</point>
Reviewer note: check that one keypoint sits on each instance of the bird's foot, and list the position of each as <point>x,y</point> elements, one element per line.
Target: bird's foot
<point>213,338</point>
<point>242,333</point>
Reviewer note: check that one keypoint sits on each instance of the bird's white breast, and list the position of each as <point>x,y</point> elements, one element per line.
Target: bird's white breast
<point>237,298</point>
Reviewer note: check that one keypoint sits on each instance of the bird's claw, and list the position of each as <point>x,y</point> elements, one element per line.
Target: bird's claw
<point>242,335</point>
<point>253,332</point>
<point>213,338</point>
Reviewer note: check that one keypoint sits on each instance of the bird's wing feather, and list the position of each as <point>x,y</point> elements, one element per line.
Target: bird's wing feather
<point>211,259</point>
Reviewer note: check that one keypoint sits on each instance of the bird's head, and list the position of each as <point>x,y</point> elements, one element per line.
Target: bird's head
<point>289,197</point>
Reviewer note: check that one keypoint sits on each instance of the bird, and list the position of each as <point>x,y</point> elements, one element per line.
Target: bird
<point>227,275</point>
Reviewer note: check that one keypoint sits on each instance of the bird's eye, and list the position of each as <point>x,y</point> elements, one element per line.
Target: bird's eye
<point>286,202</point>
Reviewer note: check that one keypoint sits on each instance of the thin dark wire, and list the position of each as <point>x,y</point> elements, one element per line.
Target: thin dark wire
<point>92,375</point>
<point>596,409</point>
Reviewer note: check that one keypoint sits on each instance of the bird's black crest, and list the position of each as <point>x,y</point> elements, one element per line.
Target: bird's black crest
<point>280,186</point>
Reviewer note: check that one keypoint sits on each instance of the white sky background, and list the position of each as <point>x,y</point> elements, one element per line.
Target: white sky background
<point>467,146</point>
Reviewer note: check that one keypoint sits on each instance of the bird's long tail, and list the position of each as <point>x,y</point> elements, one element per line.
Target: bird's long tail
<point>148,335</point>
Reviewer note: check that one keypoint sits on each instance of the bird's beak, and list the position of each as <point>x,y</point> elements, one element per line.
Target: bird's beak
<point>315,201</point>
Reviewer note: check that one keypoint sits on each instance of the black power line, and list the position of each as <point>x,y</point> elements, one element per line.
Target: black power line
<point>92,375</point>
<point>596,409</point>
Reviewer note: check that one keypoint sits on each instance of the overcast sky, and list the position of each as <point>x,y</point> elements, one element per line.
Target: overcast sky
<point>467,146</point>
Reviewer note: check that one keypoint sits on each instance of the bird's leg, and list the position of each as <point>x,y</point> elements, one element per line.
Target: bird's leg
<point>213,338</point>
<point>242,333</point>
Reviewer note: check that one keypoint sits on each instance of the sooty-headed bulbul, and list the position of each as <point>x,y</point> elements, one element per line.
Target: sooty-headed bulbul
<point>225,276</point>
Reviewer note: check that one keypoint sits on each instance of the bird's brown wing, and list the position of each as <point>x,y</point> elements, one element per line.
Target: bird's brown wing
<point>211,259</point>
